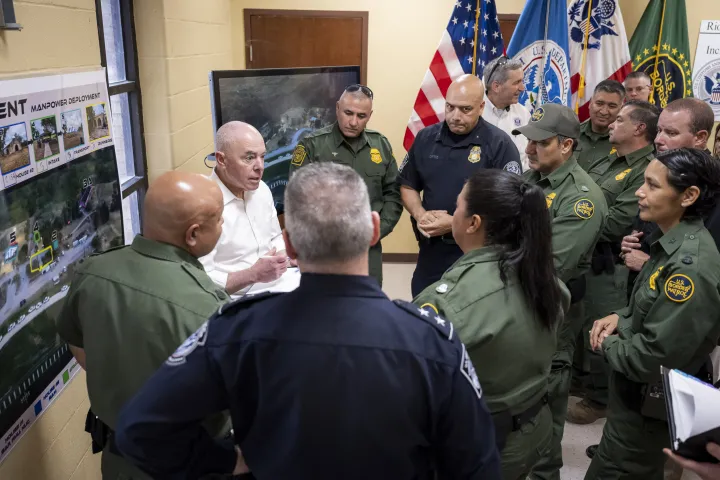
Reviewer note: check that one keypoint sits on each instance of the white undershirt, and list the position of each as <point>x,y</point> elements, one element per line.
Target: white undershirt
<point>507,121</point>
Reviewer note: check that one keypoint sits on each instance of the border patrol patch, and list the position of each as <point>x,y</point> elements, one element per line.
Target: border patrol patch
<point>679,288</point>
<point>299,155</point>
<point>537,115</point>
<point>468,371</point>
<point>549,198</point>
<point>653,278</point>
<point>375,155</point>
<point>513,167</point>
<point>622,174</point>
<point>474,156</point>
<point>195,340</point>
<point>584,209</point>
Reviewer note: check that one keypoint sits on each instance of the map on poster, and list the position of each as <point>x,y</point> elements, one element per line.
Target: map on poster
<point>59,203</point>
<point>706,70</point>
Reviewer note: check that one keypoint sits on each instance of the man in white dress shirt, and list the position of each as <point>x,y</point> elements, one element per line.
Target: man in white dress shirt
<point>503,80</point>
<point>251,249</point>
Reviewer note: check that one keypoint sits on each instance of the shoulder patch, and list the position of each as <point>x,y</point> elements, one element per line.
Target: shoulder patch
<point>299,156</point>
<point>429,313</point>
<point>468,371</point>
<point>679,288</point>
<point>513,167</point>
<point>404,162</point>
<point>194,341</point>
<point>584,209</point>
<point>375,155</point>
<point>622,174</point>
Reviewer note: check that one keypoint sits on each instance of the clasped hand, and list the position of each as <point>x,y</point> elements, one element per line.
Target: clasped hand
<point>602,329</point>
<point>434,223</point>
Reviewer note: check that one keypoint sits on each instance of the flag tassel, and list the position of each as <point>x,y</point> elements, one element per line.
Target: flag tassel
<point>475,42</point>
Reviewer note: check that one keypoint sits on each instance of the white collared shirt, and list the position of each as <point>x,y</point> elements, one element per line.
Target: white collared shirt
<point>507,121</point>
<point>251,230</point>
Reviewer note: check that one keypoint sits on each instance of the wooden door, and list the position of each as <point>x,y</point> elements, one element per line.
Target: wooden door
<point>508,22</point>
<point>305,38</point>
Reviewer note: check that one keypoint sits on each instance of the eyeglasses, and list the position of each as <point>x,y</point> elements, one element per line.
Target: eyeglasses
<point>362,88</point>
<point>501,61</point>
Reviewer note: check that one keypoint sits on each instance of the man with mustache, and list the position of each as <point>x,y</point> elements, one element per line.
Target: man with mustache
<point>442,157</point>
<point>594,141</point>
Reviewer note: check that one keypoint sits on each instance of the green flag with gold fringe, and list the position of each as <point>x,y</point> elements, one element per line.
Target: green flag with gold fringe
<point>660,48</point>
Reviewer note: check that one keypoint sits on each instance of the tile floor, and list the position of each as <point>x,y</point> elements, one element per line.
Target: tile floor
<point>396,284</point>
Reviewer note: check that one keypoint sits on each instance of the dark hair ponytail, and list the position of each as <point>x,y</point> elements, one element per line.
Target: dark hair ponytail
<point>516,219</point>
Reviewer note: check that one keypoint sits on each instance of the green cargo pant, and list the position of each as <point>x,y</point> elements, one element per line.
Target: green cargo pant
<point>375,262</point>
<point>631,445</point>
<point>525,447</point>
<point>606,293</point>
<point>548,468</point>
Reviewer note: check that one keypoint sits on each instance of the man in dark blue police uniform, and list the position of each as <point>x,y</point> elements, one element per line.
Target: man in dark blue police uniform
<point>442,157</point>
<point>330,381</point>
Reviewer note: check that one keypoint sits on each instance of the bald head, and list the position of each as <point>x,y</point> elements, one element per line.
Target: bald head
<point>240,157</point>
<point>184,209</point>
<point>464,104</point>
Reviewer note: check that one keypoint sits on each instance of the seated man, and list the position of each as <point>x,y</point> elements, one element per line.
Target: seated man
<point>129,308</point>
<point>251,248</point>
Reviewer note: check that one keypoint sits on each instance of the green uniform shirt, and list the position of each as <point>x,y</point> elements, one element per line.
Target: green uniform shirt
<point>577,210</point>
<point>619,178</point>
<point>372,158</point>
<point>673,318</point>
<point>592,146</point>
<point>511,351</point>
<point>129,309</point>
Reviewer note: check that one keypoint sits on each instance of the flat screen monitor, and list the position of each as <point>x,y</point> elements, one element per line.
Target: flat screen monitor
<point>284,104</point>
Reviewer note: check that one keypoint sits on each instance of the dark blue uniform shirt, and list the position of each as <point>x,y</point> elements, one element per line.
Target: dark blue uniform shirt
<point>330,381</point>
<point>438,164</point>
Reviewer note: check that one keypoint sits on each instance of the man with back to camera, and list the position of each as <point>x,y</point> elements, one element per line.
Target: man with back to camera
<point>442,157</point>
<point>638,86</point>
<point>121,325</point>
<point>330,381</point>
<point>250,249</point>
<point>619,175</point>
<point>594,141</point>
<point>368,152</point>
<point>503,79</point>
<point>577,209</point>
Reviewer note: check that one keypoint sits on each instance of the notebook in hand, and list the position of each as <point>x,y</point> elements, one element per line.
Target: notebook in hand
<point>693,411</point>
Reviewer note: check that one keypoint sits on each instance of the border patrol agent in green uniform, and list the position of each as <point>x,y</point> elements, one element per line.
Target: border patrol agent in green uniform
<point>619,175</point>
<point>594,139</point>
<point>577,211</point>
<point>672,319</point>
<point>368,152</point>
<point>129,308</point>
<point>506,315</point>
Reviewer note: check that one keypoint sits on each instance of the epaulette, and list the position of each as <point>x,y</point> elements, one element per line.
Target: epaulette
<point>119,247</point>
<point>235,306</point>
<point>429,315</point>
<point>320,131</point>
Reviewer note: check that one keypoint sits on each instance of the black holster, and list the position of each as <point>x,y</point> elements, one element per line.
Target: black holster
<point>653,393</point>
<point>505,423</point>
<point>98,430</point>
<point>603,259</point>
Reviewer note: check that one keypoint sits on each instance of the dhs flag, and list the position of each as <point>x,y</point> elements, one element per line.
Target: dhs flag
<point>540,43</point>
<point>598,49</point>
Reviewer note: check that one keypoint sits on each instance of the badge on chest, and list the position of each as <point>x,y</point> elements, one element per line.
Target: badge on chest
<point>375,155</point>
<point>475,153</point>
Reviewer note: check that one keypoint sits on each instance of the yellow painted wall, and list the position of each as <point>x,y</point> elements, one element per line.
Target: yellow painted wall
<point>55,447</point>
<point>403,36</point>
<point>178,44</point>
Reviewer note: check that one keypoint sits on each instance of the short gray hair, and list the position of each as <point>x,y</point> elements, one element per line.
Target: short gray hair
<point>500,74</point>
<point>327,213</point>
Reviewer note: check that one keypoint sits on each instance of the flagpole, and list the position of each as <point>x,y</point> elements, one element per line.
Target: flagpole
<point>659,47</point>
<point>583,64</point>
<point>544,62</point>
<point>475,42</point>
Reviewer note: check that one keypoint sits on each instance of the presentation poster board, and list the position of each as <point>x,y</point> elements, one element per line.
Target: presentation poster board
<point>59,203</point>
<point>706,71</point>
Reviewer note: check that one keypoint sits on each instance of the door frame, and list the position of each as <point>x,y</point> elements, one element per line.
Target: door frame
<point>248,12</point>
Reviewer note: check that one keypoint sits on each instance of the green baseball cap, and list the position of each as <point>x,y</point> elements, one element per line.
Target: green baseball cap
<point>551,120</point>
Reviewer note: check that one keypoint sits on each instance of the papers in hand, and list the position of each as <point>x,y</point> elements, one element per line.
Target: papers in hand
<point>288,282</point>
<point>693,413</point>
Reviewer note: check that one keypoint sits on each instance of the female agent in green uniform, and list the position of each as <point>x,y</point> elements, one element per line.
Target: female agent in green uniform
<point>504,301</point>
<point>672,319</point>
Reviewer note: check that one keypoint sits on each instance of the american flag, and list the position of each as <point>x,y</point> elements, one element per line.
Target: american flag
<point>454,57</point>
